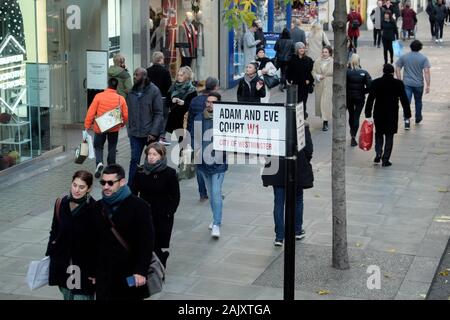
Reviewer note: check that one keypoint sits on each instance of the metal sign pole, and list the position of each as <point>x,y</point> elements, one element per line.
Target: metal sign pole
<point>290,189</point>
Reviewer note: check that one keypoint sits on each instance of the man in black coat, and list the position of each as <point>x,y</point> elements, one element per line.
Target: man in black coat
<point>274,175</point>
<point>386,92</point>
<point>125,240</point>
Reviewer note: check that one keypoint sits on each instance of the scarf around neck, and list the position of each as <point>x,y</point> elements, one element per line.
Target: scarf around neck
<point>262,62</point>
<point>158,166</point>
<point>182,89</point>
<point>248,79</point>
<point>113,201</point>
<point>80,203</point>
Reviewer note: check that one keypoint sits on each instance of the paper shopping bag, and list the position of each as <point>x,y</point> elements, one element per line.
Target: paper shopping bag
<point>37,275</point>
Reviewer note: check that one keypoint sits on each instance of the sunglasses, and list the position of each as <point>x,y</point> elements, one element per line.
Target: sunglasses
<point>109,182</point>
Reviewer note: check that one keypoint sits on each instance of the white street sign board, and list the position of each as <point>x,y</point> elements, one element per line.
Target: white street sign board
<point>300,120</point>
<point>97,69</point>
<point>250,128</point>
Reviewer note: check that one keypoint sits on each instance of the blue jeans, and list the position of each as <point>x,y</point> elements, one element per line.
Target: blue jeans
<point>201,186</point>
<point>214,184</point>
<point>137,145</point>
<point>418,93</point>
<point>278,212</point>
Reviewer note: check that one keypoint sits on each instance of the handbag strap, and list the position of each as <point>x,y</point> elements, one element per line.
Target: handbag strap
<point>58,209</point>
<point>116,233</point>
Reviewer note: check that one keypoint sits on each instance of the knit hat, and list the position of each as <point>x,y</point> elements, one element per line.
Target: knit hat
<point>299,45</point>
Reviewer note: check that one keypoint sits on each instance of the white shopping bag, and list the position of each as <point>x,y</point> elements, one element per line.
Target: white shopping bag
<point>37,275</point>
<point>88,138</point>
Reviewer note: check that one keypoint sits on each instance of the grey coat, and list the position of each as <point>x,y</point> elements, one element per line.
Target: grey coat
<point>145,112</point>
<point>298,35</point>
<point>249,47</point>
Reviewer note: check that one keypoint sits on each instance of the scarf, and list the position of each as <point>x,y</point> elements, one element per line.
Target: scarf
<point>80,203</point>
<point>263,62</point>
<point>113,202</point>
<point>158,166</point>
<point>248,79</point>
<point>207,115</point>
<point>182,89</point>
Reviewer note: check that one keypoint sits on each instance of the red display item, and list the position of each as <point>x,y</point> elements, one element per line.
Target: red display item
<point>366,135</point>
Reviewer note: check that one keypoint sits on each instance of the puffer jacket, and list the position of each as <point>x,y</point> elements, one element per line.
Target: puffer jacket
<point>440,12</point>
<point>103,102</point>
<point>284,49</point>
<point>358,83</point>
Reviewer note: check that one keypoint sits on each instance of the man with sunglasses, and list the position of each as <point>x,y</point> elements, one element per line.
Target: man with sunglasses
<point>125,239</point>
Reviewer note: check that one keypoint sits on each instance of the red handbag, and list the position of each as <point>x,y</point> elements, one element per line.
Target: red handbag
<point>366,135</point>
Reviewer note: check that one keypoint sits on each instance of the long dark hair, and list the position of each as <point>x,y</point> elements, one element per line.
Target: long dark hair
<point>285,34</point>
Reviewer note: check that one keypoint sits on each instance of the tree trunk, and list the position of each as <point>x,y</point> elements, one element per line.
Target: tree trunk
<point>340,254</point>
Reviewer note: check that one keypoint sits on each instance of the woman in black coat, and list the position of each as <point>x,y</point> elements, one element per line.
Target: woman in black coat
<point>358,83</point>
<point>251,88</point>
<point>389,33</point>
<point>299,73</point>
<point>72,240</point>
<point>386,92</point>
<point>158,184</point>
<point>274,175</point>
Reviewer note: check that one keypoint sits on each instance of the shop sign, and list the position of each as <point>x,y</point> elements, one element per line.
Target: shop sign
<point>38,80</point>
<point>97,69</point>
<point>250,128</point>
<point>73,21</point>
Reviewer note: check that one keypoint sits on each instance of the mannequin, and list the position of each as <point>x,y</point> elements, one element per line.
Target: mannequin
<point>158,39</point>
<point>201,46</point>
<point>187,34</point>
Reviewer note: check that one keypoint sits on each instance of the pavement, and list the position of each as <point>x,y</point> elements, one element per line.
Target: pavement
<point>398,218</point>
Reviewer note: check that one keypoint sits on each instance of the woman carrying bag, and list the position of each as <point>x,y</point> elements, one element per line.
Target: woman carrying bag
<point>72,240</point>
<point>268,72</point>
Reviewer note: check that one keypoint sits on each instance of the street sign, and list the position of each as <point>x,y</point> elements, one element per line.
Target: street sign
<point>300,121</point>
<point>250,128</point>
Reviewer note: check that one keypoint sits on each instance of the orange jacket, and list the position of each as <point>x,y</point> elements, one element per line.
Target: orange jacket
<point>103,102</point>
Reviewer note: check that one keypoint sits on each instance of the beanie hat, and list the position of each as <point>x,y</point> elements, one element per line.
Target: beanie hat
<point>299,45</point>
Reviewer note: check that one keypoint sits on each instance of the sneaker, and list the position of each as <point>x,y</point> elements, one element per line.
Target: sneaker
<point>210,226</point>
<point>353,143</point>
<point>325,126</point>
<point>301,235</point>
<point>387,163</point>
<point>203,198</point>
<point>278,243</point>
<point>437,40</point>
<point>377,159</point>
<point>407,125</point>
<point>418,120</point>
<point>215,233</point>
<point>98,170</point>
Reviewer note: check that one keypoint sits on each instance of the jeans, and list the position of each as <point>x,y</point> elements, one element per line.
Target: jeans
<point>387,47</point>
<point>376,37</point>
<point>99,143</point>
<point>201,186</point>
<point>388,141</point>
<point>137,145</point>
<point>439,29</point>
<point>354,107</point>
<point>68,295</point>
<point>433,28</point>
<point>418,93</point>
<point>214,184</point>
<point>278,212</point>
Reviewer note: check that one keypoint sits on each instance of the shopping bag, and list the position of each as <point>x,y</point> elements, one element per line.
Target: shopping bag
<point>271,81</point>
<point>186,166</point>
<point>398,48</point>
<point>109,120</point>
<point>366,135</point>
<point>156,275</point>
<point>81,152</point>
<point>37,275</point>
<point>88,138</point>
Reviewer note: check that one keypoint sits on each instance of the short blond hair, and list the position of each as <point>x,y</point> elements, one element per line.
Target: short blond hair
<point>118,59</point>
<point>157,56</point>
<point>187,71</point>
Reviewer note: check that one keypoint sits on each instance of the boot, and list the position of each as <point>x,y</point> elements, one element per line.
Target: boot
<point>325,126</point>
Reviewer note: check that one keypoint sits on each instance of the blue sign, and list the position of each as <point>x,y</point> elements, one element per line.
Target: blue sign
<point>271,39</point>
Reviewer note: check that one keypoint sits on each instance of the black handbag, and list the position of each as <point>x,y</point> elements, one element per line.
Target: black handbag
<point>271,81</point>
<point>311,87</point>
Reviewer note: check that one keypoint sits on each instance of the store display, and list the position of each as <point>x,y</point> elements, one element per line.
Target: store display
<point>187,40</point>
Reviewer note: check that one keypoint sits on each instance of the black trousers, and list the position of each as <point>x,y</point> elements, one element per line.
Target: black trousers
<point>387,47</point>
<point>384,139</point>
<point>355,42</point>
<point>433,28</point>
<point>302,97</point>
<point>283,66</point>
<point>376,37</point>
<point>354,107</point>
<point>99,143</point>
<point>439,29</point>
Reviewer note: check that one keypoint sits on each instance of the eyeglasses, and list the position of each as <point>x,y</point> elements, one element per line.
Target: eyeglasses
<point>109,182</point>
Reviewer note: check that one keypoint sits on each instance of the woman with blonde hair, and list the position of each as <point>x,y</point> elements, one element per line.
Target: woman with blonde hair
<point>317,39</point>
<point>180,95</point>
<point>358,83</point>
<point>323,76</point>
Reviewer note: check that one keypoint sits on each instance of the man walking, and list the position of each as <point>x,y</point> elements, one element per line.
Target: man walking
<point>377,16</point>
<point>213,165</point>
<point>120,72</point>
<point>297,34</point>
<point>440,13</point>
<point>385,92</point>
<point>125,240</point>
<point>103,102</point>
<point>145,108</point>
<point>416,68</point>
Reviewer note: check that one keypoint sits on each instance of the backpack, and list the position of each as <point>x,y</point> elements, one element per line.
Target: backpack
<point>355,24</point>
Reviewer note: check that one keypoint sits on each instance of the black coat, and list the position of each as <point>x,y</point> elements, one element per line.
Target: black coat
<point>358,83</point>
<point>72,242</point>
<point>160,76</point>
<point>162,191</point>
<point>284,49</point>
<point>305,176</point>
<point>386,92</point>
<point>389,30</point>
<point>299,71</point>
<point>177,112</point>
<point>250,94</point>
<point>133,221</point>
<point>259,35</point>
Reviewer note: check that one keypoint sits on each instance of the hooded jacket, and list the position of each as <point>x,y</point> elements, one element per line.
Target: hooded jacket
<point>124,78</point>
